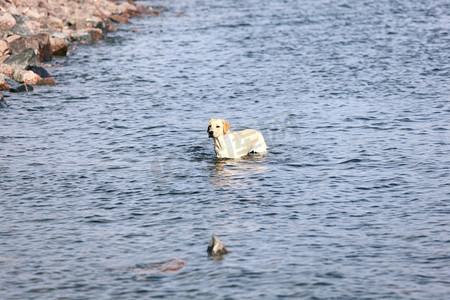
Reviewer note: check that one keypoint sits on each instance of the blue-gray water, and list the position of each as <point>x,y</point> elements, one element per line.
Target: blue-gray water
<point>111,171</point>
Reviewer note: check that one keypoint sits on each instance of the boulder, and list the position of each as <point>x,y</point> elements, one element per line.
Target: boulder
<point>27,77</point>
<point>118,19</point>
<point>40,71</point>
<point>20,29</point>
<point>32,13</point>
<point>31,78</point>
<point>95,22</point>
<point>7,70</point>
<point>44,52</point>
<point>19,43</point>
<point>18,87</point>
<point>96,34</point>
<point>47,81</point>
<point>81,37</point>
<point>4,48</point>
<point>52,23</point>
<point>59,46</point>
<point>23,60</point>
<point>6,21</point>
<point>12,38</point>
<point>40,43</point>
<point>216,247</point>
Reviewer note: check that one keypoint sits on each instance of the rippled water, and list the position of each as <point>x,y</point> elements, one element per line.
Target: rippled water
<point>110,174</point>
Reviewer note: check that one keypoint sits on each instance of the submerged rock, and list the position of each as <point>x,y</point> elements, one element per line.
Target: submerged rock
<point>40,71</point>
<point>3,103</point>
<point>173,265</point>
<point>15,87</point>
<point>216,247</point>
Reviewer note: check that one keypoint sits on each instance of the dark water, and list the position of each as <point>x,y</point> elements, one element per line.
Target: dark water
<point>110,173</point>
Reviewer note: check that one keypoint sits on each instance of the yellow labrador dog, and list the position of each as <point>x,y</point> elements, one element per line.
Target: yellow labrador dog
<point>234,144</point>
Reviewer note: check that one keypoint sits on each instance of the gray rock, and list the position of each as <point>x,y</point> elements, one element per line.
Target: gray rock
<point>83,37</point>
<point>20,30</point>
<point>40,71</point>
<point>216,247</point>
<point>23,60</point>
<point>58,35</point>
<point>18,87</point>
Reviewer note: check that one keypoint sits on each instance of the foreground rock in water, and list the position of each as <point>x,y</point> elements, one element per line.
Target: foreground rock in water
<point>32,31</point>
<point>216,247</point>
<point>173,265</point>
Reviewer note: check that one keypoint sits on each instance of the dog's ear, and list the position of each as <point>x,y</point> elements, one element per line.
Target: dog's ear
<point>226,126</point>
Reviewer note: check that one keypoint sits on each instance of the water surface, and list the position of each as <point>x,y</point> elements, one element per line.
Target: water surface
<point>111,172</point>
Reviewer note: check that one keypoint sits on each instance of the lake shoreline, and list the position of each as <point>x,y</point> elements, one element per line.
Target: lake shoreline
<point>33,31</point>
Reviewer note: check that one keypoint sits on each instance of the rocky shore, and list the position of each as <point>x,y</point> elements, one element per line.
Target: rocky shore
<point>33,31</point>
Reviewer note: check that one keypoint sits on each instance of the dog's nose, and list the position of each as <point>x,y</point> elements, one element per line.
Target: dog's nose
<point>211,133</point>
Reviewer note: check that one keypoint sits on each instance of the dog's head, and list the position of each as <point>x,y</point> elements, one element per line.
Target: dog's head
<point>217,127</point>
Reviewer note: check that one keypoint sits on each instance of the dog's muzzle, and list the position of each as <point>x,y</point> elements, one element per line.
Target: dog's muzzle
<point>211,134</point>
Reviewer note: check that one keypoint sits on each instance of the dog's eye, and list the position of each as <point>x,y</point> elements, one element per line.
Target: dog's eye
<point>217,126</point>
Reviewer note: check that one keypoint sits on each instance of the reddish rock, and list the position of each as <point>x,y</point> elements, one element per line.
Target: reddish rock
<point>111,28</point>
<point>7,70</point>
<point>4,48</point>
<point>4,85</point>
<point>58,46</point>
<point>31,78</point>
<point>52,23</point>
<point>173,265</point>
<point>12,38</point>
<point>33,13</point>
<point>96,34</point>
<point>128,8</point>
<point>39,42</point>
<point>21,43</point>
<point>143,10</point>
<point>170,266</point>
<point>48,81</point>
<point>44,51</point>
<point>6,21</point>
<point>27,77</point>
<point>118,19</point>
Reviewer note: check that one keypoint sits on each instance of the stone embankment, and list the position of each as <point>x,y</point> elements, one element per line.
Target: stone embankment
<point>33,31</point>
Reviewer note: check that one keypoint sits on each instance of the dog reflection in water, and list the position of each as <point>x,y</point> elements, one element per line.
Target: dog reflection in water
<point>235,172</point>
